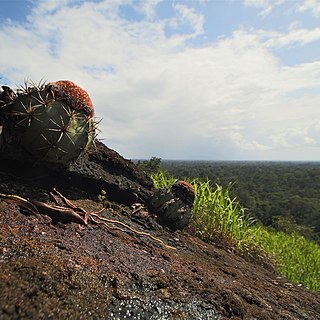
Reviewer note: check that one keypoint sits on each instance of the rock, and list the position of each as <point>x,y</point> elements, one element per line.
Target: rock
<point>98,168</point>
<point>65,272</point>
<point>101,168</point>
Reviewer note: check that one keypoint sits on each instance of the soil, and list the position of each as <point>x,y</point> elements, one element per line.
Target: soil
<point>54,270</point>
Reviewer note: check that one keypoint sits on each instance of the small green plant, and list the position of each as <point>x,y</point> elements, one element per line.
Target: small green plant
<point>162,180</point>
<point>103,199</point>
<point>218,215</point>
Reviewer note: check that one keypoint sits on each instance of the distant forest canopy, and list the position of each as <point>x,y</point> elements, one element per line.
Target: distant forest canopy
<point>279,194</point>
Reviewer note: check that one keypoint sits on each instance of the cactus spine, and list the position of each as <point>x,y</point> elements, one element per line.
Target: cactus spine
<point>50,122</point>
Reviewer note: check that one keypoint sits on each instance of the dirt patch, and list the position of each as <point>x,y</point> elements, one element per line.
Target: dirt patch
<point>64,272</point>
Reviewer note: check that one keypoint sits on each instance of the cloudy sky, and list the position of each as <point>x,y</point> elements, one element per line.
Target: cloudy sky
<point>216,80</point>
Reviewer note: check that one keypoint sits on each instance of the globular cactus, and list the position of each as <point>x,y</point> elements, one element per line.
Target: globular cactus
<point>173,206</point>
<point>52,122</point>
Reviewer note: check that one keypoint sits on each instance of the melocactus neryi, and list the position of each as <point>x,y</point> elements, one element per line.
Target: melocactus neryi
<point>53,122</point>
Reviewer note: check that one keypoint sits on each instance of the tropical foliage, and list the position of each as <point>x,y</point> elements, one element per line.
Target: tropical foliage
<point>271,191</point>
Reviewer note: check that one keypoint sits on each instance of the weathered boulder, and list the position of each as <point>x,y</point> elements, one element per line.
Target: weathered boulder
<point>98,169</point>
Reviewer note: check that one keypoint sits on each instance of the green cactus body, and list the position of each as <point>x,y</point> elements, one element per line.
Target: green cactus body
<point>48,128</point>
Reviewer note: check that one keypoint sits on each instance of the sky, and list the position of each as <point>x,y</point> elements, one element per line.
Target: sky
<point>183,80</point>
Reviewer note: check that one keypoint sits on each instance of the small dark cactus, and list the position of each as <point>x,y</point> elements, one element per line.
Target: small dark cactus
<point>52,122</point>
<point>184,191</point>
<point>173,206</point>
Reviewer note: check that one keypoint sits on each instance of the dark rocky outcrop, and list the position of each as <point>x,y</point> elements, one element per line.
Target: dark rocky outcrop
<point>66,271</point>
<point>102,169</point>
<point>99,168</point>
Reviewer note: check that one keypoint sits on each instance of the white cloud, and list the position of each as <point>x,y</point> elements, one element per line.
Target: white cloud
<point>158,95</point>
<point>188,15</point>
<point>299,137</point>
<point>148,8</point>
<point>294,37</point>
<point>242,143</point>
<point>266,5</point>
<point>309,5</point>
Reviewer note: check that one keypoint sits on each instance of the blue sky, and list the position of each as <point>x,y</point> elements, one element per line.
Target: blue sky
<point>216,80</point>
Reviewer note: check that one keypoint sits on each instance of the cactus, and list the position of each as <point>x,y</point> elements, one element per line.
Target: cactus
<point>52,122</point>
<point>173,206</point>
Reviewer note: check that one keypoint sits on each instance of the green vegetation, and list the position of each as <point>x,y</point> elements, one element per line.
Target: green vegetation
<point>269,190</point>
<point>150,166</point>
<point>217,215</point>
<point>162,180</point>
<point>220,217</point>
<point>297,258</point>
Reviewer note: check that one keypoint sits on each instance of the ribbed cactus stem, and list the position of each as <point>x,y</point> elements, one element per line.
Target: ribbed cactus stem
<point>173,206</point>
<point>53,122</point>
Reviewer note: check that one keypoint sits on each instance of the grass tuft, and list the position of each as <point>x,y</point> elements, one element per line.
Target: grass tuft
<point>218,216</point>
<point>297,258</point>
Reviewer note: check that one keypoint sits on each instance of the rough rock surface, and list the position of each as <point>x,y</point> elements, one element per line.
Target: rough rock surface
<point>97,169</point>
<point>67,271</point>
<point>101,169</point>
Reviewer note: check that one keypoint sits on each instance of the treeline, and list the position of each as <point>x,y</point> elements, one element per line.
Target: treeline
<point>284,195</point>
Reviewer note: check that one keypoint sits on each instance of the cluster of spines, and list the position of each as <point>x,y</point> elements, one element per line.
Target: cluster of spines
<point>41,95</point>
<point>29,86</point>
<point>64,90</point>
